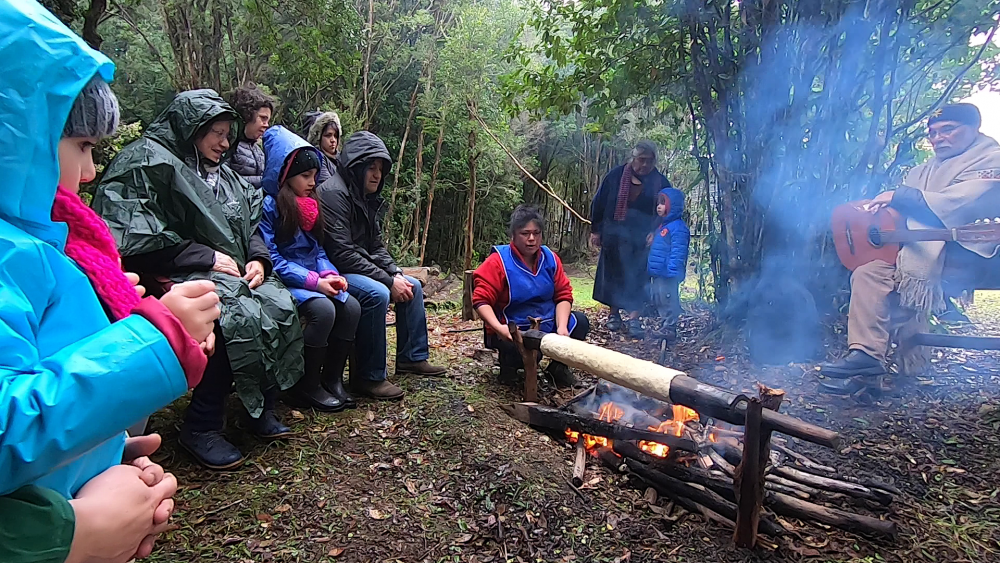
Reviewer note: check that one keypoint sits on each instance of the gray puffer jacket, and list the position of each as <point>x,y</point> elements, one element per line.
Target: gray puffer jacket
<point>248,161</point>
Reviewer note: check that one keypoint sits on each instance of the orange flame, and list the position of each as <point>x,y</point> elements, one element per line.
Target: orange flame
<point>609,412</point>
<point>674,426</point>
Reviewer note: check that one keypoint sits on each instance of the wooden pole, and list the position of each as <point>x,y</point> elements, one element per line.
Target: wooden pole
<point>468,312</point>
<point>530,364</point>
<point>748,482</point>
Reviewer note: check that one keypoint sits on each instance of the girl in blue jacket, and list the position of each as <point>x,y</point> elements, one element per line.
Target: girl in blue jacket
<point>81,358</point>
<point>292,227</point>
<point>667,263</point>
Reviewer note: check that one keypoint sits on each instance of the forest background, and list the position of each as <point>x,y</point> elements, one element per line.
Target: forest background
<point>768,112</point>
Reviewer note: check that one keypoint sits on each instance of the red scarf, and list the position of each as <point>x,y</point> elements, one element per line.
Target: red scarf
<point>90,244</point>
<point>308,212</point>
<point>624,189</point>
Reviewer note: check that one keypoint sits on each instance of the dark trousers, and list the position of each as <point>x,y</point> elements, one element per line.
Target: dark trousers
<point>207,410</point>
<point>510,357</point>
<point>329,320</point>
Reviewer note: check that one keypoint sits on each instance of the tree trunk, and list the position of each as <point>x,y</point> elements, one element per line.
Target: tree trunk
<point>399,158</point>
<point>365,86</point>
<point>433,184</point>
<point>471,210</point>
<point>417,179</point>
<point>91,18</point>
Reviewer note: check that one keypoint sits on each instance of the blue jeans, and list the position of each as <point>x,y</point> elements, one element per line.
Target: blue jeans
<point>411,326</point>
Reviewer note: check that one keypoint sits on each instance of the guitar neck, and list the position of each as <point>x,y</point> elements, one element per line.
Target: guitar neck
<point>917,235</point>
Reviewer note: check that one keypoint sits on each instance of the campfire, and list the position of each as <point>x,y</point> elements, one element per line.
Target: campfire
<point>709,451</point>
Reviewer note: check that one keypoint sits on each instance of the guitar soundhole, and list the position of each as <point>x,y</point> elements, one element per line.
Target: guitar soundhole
<point>875,237</point>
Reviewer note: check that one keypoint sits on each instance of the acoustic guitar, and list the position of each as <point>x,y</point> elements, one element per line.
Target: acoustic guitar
<point>861,236</point>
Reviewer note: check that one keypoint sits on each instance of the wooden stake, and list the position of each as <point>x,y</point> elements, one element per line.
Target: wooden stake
<point>580,465</point>
<point>468,312</point>
<point>530,364</point>
<point>748,482</point>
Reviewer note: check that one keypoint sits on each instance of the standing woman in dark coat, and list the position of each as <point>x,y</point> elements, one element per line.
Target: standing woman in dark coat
<point>623,213</point>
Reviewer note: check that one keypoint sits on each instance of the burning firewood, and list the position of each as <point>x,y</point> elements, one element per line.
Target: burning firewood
<point>668,385</point>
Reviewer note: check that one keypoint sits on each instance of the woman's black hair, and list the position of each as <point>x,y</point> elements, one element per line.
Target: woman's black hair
<point>523,215</point>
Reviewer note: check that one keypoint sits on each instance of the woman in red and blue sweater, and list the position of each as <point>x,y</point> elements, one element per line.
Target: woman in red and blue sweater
<point>525,279</point>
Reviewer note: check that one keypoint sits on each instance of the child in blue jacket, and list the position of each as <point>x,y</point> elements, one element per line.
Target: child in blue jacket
<point>667,262</point>
<point>292,227</point>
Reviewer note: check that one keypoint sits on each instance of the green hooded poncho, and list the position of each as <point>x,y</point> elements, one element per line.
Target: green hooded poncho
<point>152,200</point>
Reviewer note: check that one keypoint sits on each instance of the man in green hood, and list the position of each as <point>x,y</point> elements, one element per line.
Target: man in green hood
<point>179,213</point>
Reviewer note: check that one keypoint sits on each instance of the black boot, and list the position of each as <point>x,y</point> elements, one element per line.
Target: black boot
<point>310,392</point>
<point>268,425</point>
<point>202,432</point>
<point>561,374</point>
<point>855,363</point>
<point>333,372</point>
<point>614,322</point>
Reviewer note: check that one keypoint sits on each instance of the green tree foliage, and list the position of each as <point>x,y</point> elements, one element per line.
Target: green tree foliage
<point>794,106</point>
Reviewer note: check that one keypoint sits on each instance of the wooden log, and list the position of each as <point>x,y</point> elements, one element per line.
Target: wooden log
<point>681,492</point>
<point>580,464</point>
<point>748,481</point>
<point>954,341</point>
<point>835,485</point>
<point>530,361</point>
<point>421,273</point>
<point>555,419</point>
<point>668,385</point>
<point>803,460</point>
<point>610,459</point>
<point>786,505</point>
<point>468,312</point>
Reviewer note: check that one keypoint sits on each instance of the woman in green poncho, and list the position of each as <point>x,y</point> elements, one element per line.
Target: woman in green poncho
<point>179,213</point>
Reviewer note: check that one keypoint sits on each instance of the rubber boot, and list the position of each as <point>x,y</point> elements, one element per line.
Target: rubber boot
<point>309,392</point>
<point>268,425</point>
<point>333,372</point>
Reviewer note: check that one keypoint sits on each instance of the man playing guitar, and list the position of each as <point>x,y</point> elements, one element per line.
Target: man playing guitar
<point>958,185</point>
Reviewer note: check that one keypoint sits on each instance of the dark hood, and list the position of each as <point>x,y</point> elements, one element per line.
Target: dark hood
<point>189,111</point>
<point>360,148</point>
<point>676,199</point>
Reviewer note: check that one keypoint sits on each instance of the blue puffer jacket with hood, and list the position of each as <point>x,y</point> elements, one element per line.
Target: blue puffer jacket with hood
<point>70,381</point>
<point>300,262</point>
<point>669,252</point>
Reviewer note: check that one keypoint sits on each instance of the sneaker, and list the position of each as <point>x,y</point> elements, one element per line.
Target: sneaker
<point>211,449</point>
<point>268,426</point>
<point>508,375</point>
<point>378,390</point>
<point>422,367</point>
<point>614,322</point>
<point>854,364</point>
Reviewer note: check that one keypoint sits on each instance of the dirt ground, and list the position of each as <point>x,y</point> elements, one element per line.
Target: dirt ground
<point>447,476</point>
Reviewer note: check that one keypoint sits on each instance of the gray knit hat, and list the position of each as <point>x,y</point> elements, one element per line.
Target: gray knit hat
<point>95,111</point>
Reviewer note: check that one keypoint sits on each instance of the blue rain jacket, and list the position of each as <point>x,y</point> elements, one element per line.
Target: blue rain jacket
<point>669,252</point>
<point>70,381</point>
<point>293,260</point>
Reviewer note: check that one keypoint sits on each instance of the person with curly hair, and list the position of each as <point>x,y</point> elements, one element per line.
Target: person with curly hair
<point>255,109</point>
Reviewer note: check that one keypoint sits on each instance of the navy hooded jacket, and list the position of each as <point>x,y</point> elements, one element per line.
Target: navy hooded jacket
<point>669,251</point>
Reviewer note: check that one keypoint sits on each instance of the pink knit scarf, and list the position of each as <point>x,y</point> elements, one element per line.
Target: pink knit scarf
<point>308,212</point>
<point>92,247</point>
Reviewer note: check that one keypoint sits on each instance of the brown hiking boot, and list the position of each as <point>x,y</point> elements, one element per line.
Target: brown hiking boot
<point>422,367</point>
<point>378,390</point>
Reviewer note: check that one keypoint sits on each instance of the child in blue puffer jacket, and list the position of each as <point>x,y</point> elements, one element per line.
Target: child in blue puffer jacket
<point>667,262</point>
<point>292,228</point>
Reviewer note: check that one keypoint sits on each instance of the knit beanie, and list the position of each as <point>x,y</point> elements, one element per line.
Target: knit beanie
<point>303,160</point>
<point>95,111</point>
<point>965,113</point>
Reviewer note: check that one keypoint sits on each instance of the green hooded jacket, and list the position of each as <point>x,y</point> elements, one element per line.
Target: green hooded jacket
<point>153,198</point>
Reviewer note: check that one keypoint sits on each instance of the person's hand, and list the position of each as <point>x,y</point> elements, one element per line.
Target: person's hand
<point>134,280</point>
<point>401,290</point>
<point>255,274</point>
<point>562,330</point>
<point>208,346</point>
<point>595,240</point>
<point>881,200</point>
<point>195,304</point>
<point>503,331</point>
<point>225,264</point>
<point>118,515</point>
<point>326,287</point>
<point>339,282</point>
